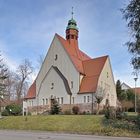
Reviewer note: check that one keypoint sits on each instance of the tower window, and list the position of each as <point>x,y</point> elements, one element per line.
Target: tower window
<point>72,36</point>
<point>56,56</point>
<point>68,37</point>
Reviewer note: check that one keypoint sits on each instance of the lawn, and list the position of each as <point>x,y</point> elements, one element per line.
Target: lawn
<point>82,124</point>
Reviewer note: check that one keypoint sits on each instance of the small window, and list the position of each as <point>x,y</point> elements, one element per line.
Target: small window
<point>61,100</point>
<point>52,85</point>
<point>84,99</point>
<point>107,75</point>
<point>71,84</point>
<point>56,57</point>
<point>88,99</point>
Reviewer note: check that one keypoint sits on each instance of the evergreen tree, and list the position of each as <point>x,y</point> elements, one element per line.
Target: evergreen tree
<point>55,108</point>
<point>132,15</point>
<point>118,89</point>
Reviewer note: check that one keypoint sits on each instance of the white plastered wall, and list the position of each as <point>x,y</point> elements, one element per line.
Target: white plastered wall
<point>107,84</point>
<point>63,63</point>
<point>58,90</point>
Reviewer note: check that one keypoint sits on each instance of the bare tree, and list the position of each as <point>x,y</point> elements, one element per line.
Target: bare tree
<point>3,77</point>
<point>99,96</point>
<point>24,70</point>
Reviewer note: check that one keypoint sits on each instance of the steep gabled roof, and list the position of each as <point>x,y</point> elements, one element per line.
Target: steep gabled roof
<point>75,54</point>
<point>92,70</point>
<point>93,67</point>
<point>89,68</point>
<point>32,91</point>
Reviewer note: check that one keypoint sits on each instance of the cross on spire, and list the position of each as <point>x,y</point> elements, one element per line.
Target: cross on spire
<point>72,13</point>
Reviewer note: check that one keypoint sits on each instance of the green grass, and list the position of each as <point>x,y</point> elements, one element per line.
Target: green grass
<point>82,124</point>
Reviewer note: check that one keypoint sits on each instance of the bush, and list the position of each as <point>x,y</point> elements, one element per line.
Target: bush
<point>75,110</point>
<point>110,113</point>
<point>5,113</point>
<point>55,108</point>
<point>14,109</point>
<point>138,121</point>
<point>120,114</point>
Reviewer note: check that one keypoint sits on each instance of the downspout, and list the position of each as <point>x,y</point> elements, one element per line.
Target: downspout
<point>92,104</point>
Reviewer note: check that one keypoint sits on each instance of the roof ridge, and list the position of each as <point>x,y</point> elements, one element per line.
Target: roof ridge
<point>97,58</point>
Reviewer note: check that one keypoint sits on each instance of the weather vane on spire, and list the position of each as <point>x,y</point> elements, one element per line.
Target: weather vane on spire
<point>72,13</point>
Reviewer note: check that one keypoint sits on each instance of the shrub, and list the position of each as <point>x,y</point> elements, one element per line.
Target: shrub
<point>55,108</point>
<point>75,110</point>
<point>5,113</point>
<point>110,113</point>
<point>14,109</point>
<point>138,121</point>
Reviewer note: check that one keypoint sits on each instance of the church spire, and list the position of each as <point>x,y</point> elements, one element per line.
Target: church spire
<point>72,13</point>
<point>72,31</point>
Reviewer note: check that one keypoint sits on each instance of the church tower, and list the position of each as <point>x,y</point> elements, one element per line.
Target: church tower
<point>72,32</point>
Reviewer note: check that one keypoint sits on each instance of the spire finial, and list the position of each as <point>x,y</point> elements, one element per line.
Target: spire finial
<point>72,13</point>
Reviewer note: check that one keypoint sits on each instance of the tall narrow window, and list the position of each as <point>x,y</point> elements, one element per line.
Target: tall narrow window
<point>88,99</point>
<point>43,101</point>
<point>32,103</point>
<point>84,99</point>
<point>46,101</point>
<point>71,84</point>
<point>61,100</point>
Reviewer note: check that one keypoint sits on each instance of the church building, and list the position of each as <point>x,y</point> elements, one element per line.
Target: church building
<point>71,77</point>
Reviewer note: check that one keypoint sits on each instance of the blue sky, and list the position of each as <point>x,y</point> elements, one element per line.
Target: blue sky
<point>27,28</point>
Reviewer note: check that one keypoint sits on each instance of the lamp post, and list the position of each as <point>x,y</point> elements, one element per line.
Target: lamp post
<point>135,79</point>
<point>1,97</point>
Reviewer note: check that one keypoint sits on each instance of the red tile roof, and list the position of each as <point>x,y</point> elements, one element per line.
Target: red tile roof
<point>137,90</point>
<point>90,68</point>
<point>76,55</point>
<point>32,91</point>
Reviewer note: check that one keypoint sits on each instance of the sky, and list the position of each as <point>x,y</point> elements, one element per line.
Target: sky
<point>27,28</point>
